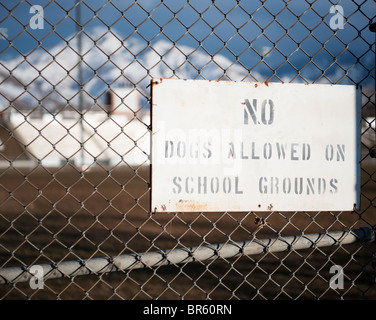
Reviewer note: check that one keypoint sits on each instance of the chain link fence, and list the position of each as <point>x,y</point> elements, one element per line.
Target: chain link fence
<point>75,218</point>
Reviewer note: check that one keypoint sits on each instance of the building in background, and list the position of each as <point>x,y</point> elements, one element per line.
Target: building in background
<point>115,133</point>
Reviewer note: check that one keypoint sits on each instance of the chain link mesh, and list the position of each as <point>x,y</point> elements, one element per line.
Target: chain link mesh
<point>74,153</point>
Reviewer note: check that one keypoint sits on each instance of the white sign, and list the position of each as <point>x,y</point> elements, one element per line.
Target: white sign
<point>249,146</point>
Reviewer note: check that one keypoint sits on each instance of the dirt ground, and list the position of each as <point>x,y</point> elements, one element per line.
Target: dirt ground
<point>59,215</point>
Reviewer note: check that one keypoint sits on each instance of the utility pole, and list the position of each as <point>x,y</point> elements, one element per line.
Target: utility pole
<point>372,151</point>
<point>80,80</point>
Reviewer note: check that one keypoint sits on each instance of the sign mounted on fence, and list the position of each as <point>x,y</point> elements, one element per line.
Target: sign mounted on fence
<point>250,146</point>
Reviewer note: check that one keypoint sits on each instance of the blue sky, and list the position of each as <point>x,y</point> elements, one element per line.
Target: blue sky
<point>279,40</point>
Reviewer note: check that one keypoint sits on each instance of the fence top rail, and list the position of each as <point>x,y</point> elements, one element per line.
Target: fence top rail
<point>176,256</point>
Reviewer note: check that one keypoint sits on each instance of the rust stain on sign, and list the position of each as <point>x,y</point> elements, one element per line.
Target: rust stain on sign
<point>191,205</point>
<point>256,84</point>
<point>156,81</point>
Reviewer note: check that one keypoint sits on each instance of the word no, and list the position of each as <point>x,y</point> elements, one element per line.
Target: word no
<point>263,115</point>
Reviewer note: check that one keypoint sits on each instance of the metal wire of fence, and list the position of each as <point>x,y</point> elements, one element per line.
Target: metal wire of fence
<point>75,218</point>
